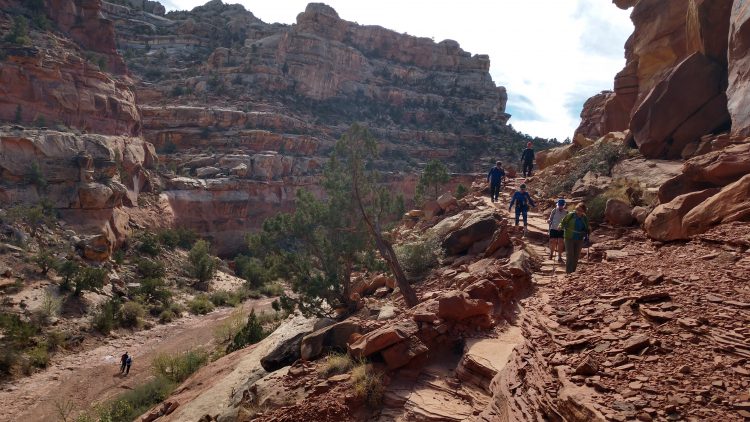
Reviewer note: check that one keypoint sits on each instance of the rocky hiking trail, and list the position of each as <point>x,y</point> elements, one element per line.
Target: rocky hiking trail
<point>84,378</point>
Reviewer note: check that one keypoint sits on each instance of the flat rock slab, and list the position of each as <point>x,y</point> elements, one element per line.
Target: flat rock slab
<point>484,358</point>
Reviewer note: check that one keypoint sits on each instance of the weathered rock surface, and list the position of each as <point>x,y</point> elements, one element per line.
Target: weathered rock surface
<point>618,213</point>
<point>738,92</point>
<point>331,338</point>
<point>458,305</point>
<point>479,226</point>
<point>732,203</point>
<point>666,221</point>
<point>287,349</point>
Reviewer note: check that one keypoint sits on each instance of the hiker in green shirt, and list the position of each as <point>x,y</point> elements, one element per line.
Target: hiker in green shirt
<point>576,229</point>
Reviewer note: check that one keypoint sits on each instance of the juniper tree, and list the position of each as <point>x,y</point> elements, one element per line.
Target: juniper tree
<point>434,176</point>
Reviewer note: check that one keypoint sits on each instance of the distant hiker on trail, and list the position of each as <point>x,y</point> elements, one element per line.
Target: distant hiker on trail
<point>522,200</point>
<point>527,159</point>
<point>123,362</point>
<point>576,231</point>
<point>555,234</point>
<point>128,362</point>
<point>495,177</point>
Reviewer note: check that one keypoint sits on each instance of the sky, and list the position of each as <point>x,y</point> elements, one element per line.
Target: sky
<point>551,55</point>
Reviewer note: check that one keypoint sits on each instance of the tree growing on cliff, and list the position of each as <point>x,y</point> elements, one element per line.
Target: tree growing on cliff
<point>434,176</point>
<point>355,186</point>
<point>316,248</point>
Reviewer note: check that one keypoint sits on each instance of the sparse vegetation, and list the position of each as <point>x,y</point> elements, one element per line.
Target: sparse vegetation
<point>418,257</point>
<point>45,261</point>
<point>203,266</point>
<point>177,368</point>
<point>130,315</point>
<point>129,405</point>
<point>434,176</point>
<point>89,278</point>
<point>200,305</point>
<point>598,158</point>
<point>150,268</point>
<point>19,33</point>
<point>337,363</point>
<point>368,384</point>
<point>178,237</point>
<point>229,327</point>
<point>252,270</point>
<point>251,333</point>
<point>461,191</point>
<point>105,318</point>
<point>149,244</point>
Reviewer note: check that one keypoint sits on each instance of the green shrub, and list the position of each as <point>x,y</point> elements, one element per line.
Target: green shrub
<point>19,33</point>
<point>251,333</point>
<point>8,360</point>
<point>178,368</point>
<point>89,278</point>
<point>203,265</point>
<point>272,289</point>
<point>154,290</point>
<point>39,356</point>
<point>55,340</point>
<point>461,191</point>
<point>167,316</point>
<point>119,256</point>
<point>252,270</point>
<point>45,261</point>
<point>17,332</point>
<point>595,208</point>
<point>35,176</point>
<point>225,298</point>
<point>151,268</point>
<point>149,244</point>
<point>230,326</point>
<point>182,237</point>
<point>130,314</point>
<point>105,318</point>
<point>68,269</point>
<point>50,306</point>
<point>200,305</point>
<point>417,258</point>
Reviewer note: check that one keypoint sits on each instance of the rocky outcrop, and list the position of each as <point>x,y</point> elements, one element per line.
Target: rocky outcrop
<point>730,204</point>
<point>478,227</point>
<point>674,44</point>
<point>666,221</point>
<point>618,213</point>
<point>738,91</point>
<point>687,104</point>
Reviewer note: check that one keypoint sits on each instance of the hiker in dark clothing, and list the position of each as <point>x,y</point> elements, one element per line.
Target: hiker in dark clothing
<point>575,226</point>
<point>495,177</point>
<point>522,200</point>
<point>128,362</point>
<point>527,159</point>
<point>123,362</point>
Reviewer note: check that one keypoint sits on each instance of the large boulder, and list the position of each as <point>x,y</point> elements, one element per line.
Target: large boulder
<point>618,213</point>
<point>591,184</point>
<point>687,104</point>
<point>287,350</point>
<point>552,156</point>
<point>739,61</point>
<point>665,223</point>
<point>431,209</point>
<point>458,305</point>
<point>332,337</point>
<point>500,240</point>
<point>447,200</point>
<point>478,227</point>
<point>401,354</point>
<point>732,203</point>
<point>382,338</point>
<point>719,167</point>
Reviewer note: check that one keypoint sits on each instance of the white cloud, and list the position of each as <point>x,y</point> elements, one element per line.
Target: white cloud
<point>550,54</point>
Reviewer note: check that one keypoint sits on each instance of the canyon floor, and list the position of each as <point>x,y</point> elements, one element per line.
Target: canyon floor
<point>84,378</point>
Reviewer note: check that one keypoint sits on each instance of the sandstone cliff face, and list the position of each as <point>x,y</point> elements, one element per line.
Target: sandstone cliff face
<point>675,45</point>
<point>244,113</point>
<point>58,82</point>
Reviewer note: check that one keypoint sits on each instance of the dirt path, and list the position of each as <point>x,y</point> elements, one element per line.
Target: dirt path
<point>91,376</point>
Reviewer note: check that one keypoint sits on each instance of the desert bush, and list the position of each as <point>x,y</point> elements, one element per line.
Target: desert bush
<point>119,256</point>
<point>130,315</point>
<point>19,33</point>
<point>105,317</point>
<point>35,176</point>
<point>368,384</point>
<point>225,298</point>
<point>417,258</point>
<point>45,261</point>
<point>154,290</point>
<point>38,355</point>
<point>230,326</point>
<point>17,332</point>
<point>598,158</point>
<point>149,244</point>
<point>150,268</point>
<point>200,305</point>
<point>272,289</point>
<point>179,367</point>
<point>68,270</point>
<point>55,340</point>
<point>182,237</point>
<point>167,316</point>
<point>252,270</point>
<point>50,306</point>
<point>251,333</point>
<point>89,278</point>
<point>203,265</point>
<point>337,363</point>
<point>461,191</point>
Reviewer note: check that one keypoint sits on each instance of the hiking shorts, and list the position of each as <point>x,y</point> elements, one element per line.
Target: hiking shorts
<point>555,234</point>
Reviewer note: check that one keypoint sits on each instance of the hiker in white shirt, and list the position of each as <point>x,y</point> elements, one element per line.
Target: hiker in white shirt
<point>556,243</point>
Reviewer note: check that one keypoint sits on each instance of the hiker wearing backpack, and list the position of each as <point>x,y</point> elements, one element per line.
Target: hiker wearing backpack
<point>555,234</point>
<point>128,362</point>
<point>495,177</point>
<point>575,226</point>
<point>123,362</point>
<point>527,159</point>
<point>521,199</point>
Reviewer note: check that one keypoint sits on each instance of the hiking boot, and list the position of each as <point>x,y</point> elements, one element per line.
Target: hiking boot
<point>560,259</point>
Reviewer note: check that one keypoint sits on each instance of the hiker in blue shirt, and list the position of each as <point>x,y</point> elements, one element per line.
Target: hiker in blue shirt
<point>522,200</point>
<point>527,159</point>
<point>495,177</point>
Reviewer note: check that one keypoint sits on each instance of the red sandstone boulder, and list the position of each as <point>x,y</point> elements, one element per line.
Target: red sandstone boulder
<point>333,337</point>
<point>431,209</point>
<point>379,339</point>
<point>403,353</point>
<point>457,305</point>
<point>500,239</point>
<point>732,203</point>
<point>447,200</point>
<point>665,223</point>
<point>720,167</point>
<point>687,104</point>
<point>618,213</point>
<point>478,227</point>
